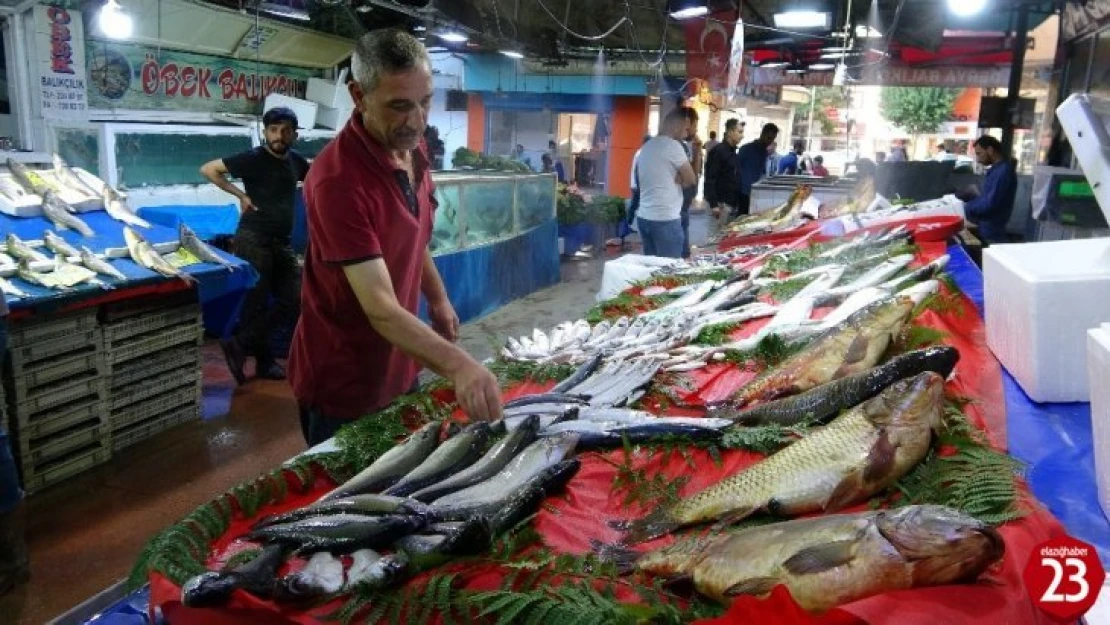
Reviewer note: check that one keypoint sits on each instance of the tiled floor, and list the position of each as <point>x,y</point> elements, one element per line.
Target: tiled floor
<point>84,535</point>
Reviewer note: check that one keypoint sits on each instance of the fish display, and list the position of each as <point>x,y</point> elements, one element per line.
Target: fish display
<point>454,455</point>
<point>857,455</point>
<point>116,207</point>
<point>69,178</point>
<point>191,242</point>
<point>94,263</point>
<point>12,190</point>
<point>823,402</point>
<point>10,289</point>
<point>58,245</point>
<point>30,181</point>
<point>322,575</point>
<point>145,256</point>
<point>61,215</point>
<point>391,466</point>
<point>339,533</point>
<point>367,505</point>
<point>21,251</point>
<point>27,274</point>
<point>215,587</point>
<point>831,560</point>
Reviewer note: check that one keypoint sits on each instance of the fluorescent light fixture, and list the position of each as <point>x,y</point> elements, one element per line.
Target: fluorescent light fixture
<point>774,64</point>
<point>802,19</point>
<point>454,37</point>
<point>690,12</point>
<point>113,22</point>
<point>867,32</point>
<point>512,54</point>
<point>283,10</point>
<point>822,67</point>
<point>836,49</point>
<point>419,29</point>
<point>966,8</point>
<point>796,70</point>
<point>840,55</point>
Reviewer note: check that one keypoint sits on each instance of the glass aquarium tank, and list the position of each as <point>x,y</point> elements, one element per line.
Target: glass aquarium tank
<point>480,208</point>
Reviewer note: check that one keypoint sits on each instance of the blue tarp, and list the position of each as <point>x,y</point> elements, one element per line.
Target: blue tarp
<point>1053,440</point>
<point>221,290</point>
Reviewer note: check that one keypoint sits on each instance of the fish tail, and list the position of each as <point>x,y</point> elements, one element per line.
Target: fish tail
<point>657,523</point>
<point>616,554</point>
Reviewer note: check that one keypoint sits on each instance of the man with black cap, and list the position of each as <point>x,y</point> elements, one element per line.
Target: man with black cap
<point>270,174</point>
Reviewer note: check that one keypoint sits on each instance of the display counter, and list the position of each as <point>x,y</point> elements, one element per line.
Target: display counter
<point>774,191</point>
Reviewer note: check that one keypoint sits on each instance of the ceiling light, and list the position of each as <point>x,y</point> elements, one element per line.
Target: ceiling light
<point>774,64</point>
<point>284,10</point>
<point>690,12</point>
<point>840,55</point>
<point>802,19</point>
<point>796,70</point>
<point>836,49</point>
<point>365,8</point>
<point>966,8</point>
<point>822,67</point>
<point>113,22</point>
<point>867,32</point>
<point>512,54</point>
<point>419,29</point>
<point>454,37</point>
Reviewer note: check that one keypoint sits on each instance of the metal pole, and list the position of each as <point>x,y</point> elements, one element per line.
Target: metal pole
<point>1013,90</point>
<point>809,126</point>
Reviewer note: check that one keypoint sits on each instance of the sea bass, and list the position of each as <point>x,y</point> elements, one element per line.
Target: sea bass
<point>29,180</point>
<point>854,346</point>
<point>21,251</point>
<point>831,560</point>
<point>59,213</point>
<point>94,263</point>
<point>69,178</point>
<point>392,465</point>
<point>58,245</point>
<point>116,207</point>
<point>191,242</point>
<point>145,256</point>
<point>857,455</point>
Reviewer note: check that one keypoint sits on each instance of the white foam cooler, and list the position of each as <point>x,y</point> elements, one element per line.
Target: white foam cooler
<point>1041,298</point>
<point>1098,366</point>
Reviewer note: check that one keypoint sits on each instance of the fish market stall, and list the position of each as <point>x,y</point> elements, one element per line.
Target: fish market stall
<point>105,319</point>
<point>688,402</point>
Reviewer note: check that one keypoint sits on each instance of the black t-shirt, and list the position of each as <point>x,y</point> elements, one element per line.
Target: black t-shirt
<point>270,182</point>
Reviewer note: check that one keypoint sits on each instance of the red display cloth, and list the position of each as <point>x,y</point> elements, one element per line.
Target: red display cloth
<point>568,522</point>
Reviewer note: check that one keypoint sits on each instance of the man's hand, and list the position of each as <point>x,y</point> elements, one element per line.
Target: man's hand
<point>245,205</point>
<point>478,392</point>
<point>444,320</point>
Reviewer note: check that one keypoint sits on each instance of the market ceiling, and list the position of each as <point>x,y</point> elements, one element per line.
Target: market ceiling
<point>554,30</point>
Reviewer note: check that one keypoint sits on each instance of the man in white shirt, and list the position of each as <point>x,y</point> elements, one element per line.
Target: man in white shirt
<point>663,171</point>
<point>634,205</point>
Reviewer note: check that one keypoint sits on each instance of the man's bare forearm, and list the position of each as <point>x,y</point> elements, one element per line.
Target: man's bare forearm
<point>223,183</point>
<point>413,337</point>
<point>431,283</point>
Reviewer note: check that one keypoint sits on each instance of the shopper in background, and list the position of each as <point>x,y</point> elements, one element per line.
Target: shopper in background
<point>556,162</point>
<point>664,171</point>
<point>270,174</point>
<point>990,210</point>
<point>370,200</point>
<point>752,159</point>
<point>722,173</point>
<point>819,167</point>
<point>15,568</point>
<point>788,165</point>
<point>693,147</point>
<point>712,143</point>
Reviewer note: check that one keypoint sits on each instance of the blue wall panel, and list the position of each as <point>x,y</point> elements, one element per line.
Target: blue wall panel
<point>499,73</point>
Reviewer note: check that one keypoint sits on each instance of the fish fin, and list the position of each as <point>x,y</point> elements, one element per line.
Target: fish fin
<point>657,523</point>
<point>881,458</point>
<point>821,558</point>
<point>732,518</point>
<point>857,351</point>
<point>843,495</point>
<point>619,555</point>
<point>754,586</point>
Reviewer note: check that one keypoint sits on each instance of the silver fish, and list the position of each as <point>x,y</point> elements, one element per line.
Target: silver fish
<point>27,275</point>
<point>145,256</point>
<point>69,178</point>
<point>21,251</point>
<point>11,190</point>
<point>29,180</point>
<point>58,245</point>
<point>536,457</point>
<point>10,289</point>
<point>93,262</point>
<point>58,212</point>
<point>191,242</point>
<point>117,209</point>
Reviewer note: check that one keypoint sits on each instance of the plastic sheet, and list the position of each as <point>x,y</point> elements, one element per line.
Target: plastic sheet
<point>208,222</point>
<point>620,273</point>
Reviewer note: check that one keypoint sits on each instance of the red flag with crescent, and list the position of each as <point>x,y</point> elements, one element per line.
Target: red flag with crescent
<point>708,47</point>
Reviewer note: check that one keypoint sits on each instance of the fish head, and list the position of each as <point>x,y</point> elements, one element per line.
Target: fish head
<point>942,544</point>
<point>910,402</point>
<point>887,314</point>
<point>918,292</point>
<point>209,589</point>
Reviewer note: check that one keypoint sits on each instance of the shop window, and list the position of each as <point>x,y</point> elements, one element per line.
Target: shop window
<point>146,159</point>
<point>80,147</point>
<point>5,105</point>
<point>310,148</point>
<point>1100,67</point>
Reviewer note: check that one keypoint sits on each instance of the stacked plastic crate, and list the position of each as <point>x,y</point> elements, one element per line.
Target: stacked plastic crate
<point>152,350</point>
<point>56,396</point>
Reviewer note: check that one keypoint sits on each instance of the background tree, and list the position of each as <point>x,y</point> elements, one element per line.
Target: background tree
<point>918,110</point>
<point>824,98</point>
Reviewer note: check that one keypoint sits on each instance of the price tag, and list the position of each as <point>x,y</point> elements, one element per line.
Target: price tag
<point>1064,577</point>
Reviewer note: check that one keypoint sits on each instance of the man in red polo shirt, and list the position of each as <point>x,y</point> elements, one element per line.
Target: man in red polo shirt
<point>370,198</point>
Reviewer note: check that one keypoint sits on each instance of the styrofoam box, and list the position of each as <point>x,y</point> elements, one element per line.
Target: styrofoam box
<point>328,93</point>
<point>1098,367</point>
<point>1041,298</point>
<point>305,110</point>
<point>334,118</point>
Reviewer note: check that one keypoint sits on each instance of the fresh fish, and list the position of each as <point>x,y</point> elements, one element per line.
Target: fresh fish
<point>145,256</point>
<point>879,274</point>
<point>323,575</point>
<point>339,533</point>
<point>10,289</point>
<point>11,190</point>
<point>542,343</point>
<point>390,466</point>
<point>78,273</point>
<point>827,400</point>
<point>472,537</point>
<point>860,453</point>
<point>599,331</point>
<point>26,274</point>
<point>545,398</point>
<point>454,455</point>
<point>367,505</point>
<point>58,245</point>
<point>116,207</point>
<point>60,214</point>
<point>494,502</point>
<point>538,456</point>
<point>21,251</point>
<point>30,181</point>
<point>69,178</point>
<point>854,346</point>
<point>489,465</point>
<point>540,409</point>
<point>214,588</point>
<point>191,242</point>
<point>600,434</point>
<point>369,569</point>
<point>94,263</point>
<point>920,275</point>
<point>578,376</point>
<point>830,560</point>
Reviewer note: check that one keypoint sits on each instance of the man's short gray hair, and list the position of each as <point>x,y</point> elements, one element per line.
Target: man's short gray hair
<point>385,51</point>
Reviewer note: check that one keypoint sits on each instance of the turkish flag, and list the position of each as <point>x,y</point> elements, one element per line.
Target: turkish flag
<point>708,46</point>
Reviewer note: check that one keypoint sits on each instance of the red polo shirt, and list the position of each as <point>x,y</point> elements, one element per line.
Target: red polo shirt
<point>357,210</point>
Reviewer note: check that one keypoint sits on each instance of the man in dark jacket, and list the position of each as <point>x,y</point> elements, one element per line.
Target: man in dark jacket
<point>722,173</point>
<point>753,164</point>
<point>990,211</point>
